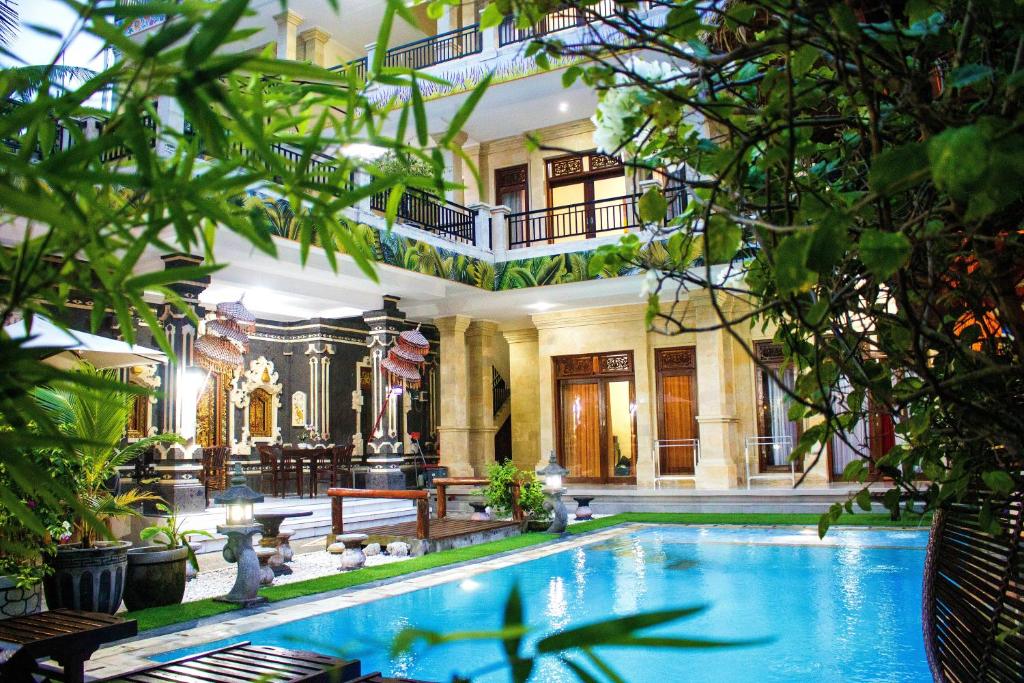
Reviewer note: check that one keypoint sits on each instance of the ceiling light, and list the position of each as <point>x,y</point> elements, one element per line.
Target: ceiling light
<point>563,107</point>
<point>541,306</point>
<point>363,151</point>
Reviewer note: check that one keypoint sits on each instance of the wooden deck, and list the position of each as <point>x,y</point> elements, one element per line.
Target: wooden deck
<point>440,529</point>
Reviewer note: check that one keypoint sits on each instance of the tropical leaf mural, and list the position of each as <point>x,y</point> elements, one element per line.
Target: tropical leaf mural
<point>385,246</point>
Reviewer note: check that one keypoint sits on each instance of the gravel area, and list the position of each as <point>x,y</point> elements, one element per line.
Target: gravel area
<point>309,565</point>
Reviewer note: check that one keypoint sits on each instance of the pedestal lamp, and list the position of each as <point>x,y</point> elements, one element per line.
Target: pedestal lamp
<point>552,475</point>
<point>238,500</point>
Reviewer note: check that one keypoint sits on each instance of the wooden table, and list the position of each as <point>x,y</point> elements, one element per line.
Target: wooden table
<point>271,537</point>
<point>68,636</point>
<point>300,456</point>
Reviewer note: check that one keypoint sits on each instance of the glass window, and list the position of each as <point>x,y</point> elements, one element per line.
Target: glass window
<point>778,433</point>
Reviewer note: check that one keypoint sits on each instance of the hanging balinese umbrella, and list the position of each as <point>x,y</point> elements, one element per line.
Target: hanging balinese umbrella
<point>413,340</point>
<point>216,354</point>
<point>239,314</point>
<point>229,329</point>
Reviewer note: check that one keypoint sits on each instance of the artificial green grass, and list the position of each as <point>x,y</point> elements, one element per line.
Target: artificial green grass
<point>157,617</point>
<point>751,518</point>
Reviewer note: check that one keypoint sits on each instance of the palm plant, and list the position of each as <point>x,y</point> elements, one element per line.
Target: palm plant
<point>94,420</point>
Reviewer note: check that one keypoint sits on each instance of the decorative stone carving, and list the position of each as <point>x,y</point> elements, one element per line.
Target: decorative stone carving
<point>299,409</point>
<point>258,393</point>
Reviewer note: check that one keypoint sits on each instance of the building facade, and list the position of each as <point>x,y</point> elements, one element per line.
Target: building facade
<point>530,351</point>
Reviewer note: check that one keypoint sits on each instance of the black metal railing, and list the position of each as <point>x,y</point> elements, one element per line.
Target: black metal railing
<point>357,65</point>
<point>320,168</point>
<point>119,152</point>
<point>436,215</point>
<point>499,390</point>
<point>436,49</point>
<point>556,20</point>
<point>583,220</point>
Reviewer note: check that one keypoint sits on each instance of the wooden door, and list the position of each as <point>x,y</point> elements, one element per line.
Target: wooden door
<point>582,429</point>
<point>677,409</point>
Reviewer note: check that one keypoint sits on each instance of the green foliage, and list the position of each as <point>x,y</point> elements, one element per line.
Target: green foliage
<point>498,492</point>
<point>576,648</point>
<point>86,217</point>
<point>171,535</point>
<point>93,419</point>
<point>859,178</point>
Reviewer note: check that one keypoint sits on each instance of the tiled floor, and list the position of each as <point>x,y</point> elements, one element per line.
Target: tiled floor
<point>120,658</point>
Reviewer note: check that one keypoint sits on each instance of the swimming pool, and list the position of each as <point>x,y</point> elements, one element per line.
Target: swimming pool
<point>846,609</point>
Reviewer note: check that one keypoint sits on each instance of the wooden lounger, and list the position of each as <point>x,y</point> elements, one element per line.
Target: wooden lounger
<point>243,662</point>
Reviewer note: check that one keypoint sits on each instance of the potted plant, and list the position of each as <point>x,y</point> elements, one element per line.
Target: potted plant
<point>23,550</point>
<point>498,494</point>
<point>156,573</point>
<point>93,417</point>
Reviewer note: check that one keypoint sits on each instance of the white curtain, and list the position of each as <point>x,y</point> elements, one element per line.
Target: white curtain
<point>781,426</point>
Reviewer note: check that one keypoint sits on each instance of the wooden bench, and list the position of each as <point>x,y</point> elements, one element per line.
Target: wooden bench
<point>247,663</point>
<point>442,483</point>
<point>338,495</point>
<point>69,637</point>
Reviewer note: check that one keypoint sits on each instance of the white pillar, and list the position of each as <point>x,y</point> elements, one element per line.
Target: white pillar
<point>483,224</point>
<point>287,27</point>
<point>499,229</point>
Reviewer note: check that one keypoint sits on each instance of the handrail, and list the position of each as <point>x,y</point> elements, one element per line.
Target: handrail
<point>583,219</point>
<point>421,497</point>
<point>438,215</point>
<point>561,18</point>
<point>500,391</point>
<point>441,484</point>
<point>437,49</point>
<point>359,63</point>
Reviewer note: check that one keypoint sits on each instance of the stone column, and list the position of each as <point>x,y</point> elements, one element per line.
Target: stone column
<point>385,444</point>
<point>312,46</point>
<point>499,229</point>
<point>480,344</point>
<point>453,428</point>
<point>482,224</point>
<point>287,26</point>
<point>179,467</point>
<point>524,385</point>
<point>721,449</point>
<point>472,194</point>
<point>319,410</point>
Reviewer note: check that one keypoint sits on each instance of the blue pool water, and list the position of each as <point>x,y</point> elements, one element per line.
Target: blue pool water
<point>844,610</point>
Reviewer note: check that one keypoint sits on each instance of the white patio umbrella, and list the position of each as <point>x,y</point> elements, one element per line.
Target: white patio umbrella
<point>72,346</point>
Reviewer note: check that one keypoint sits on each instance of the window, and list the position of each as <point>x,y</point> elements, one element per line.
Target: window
<point>511,188</point>
<point>597,416</point>
<point>677,409</point>
<point>586,195</point>
<point>778,433</point>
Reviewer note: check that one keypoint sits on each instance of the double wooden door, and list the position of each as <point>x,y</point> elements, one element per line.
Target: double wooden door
<point>597,417</point>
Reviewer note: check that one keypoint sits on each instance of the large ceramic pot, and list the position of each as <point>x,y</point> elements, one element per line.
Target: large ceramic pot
<point>90,579</point>
<point>17,602</point>
<point>156,576</point>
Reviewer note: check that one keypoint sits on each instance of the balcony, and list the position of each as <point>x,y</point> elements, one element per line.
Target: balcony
<point>446,219</point>
<point>585,220</point>
<point>436,49</point>
<point>554,21</point>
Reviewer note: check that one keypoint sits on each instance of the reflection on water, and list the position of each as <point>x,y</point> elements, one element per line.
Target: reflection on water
<point>846,610</point>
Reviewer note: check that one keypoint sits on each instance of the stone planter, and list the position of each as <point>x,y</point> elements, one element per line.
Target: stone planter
<point>156,576</point>
<point>17,602</point>
<point>90,579</point>
<point>479,511</point>
<point>190,571</point>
